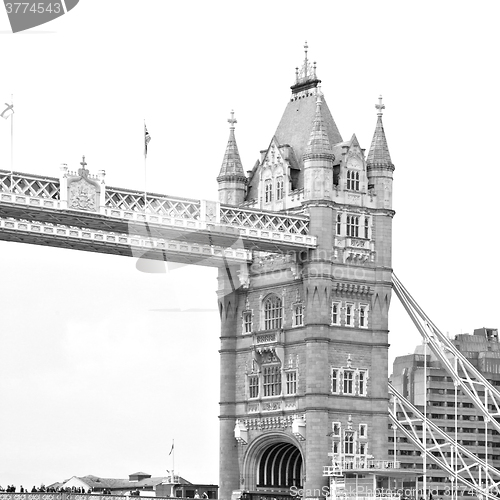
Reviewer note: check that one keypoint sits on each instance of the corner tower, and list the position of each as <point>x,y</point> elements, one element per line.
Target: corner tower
<point>232,180</point>
<point>304,337</point>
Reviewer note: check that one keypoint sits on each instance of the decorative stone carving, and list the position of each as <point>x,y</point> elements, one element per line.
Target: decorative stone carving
<point>272,406</point>
<point>266,338</point>
<point>271,423</point>
<point>82,196</point>
<point>351,289</point>
<point>83,192</point>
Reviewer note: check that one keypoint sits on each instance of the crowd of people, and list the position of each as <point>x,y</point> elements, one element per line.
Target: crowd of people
<point>47,489</point>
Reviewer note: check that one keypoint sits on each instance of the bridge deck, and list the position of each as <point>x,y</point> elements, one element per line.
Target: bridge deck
<point>157,226</point>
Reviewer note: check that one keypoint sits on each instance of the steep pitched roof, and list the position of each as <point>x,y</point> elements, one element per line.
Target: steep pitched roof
<point>297,121</point>
<point>231,164</point>
<point>294,129</point>
<point>379,151</point>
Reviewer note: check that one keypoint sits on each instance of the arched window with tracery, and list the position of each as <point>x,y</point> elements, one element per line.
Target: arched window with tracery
<point>268,190</point>
<point>279,188</point>
<point>273,313</point>
<point>352,226</point>
<point>352,180</point>
<point>348,443</point>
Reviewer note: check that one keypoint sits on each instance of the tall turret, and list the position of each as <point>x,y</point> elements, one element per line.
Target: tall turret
<point>304,338</point>
<point>232,180</point>
<point>379,164</point>
<point>318,159</point>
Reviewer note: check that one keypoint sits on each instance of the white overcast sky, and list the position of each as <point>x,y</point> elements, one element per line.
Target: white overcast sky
<point>96,377</point>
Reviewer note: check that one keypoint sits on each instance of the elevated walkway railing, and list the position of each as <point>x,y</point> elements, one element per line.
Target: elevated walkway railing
<point>341,466</point>
<point>45,192</point>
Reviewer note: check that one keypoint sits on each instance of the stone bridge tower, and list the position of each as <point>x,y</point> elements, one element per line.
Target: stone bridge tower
<point>304,337</point>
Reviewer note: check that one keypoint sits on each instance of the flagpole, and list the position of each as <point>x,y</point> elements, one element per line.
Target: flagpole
<point>145,170</point>
<point>12,144</point>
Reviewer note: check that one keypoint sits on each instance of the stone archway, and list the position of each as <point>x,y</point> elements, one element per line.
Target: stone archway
<point>273,462</point>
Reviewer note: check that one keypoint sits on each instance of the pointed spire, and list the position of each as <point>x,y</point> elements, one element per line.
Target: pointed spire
<point>379,151</point>
<point>305,78</point>
<point>231,164</point>
<point>318,143</point>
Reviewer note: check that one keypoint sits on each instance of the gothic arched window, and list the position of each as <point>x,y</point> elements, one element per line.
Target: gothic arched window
<point>298,314</point>
<point>271,380</point>
<point>349,443</point>
<point>353,180</point>
<point>338,227</point>
<point>279,188</point>
<point>273,315</point>
<point>269,190</point>
<point>352,226</point>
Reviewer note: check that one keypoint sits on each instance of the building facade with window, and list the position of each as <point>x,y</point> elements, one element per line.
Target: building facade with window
<point>140,484</point>
<point>304,336</point>
<point>446,406</point>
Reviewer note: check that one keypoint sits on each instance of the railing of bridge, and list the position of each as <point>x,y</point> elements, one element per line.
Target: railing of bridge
<point>134,201</point>
<point>340,466</point>
<point>35,190</point>
<point>233,216</point>
<point>29,185</point>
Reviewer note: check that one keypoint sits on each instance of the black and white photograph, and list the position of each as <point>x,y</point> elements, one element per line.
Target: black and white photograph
<point>248,250</point>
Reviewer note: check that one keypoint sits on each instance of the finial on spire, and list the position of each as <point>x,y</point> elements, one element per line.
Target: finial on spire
<point>379,151</point>
<point>380,106</point>
<point>83,163</point>
<point>305,77</point>
<point>305,59</point>
<point>232,120</point>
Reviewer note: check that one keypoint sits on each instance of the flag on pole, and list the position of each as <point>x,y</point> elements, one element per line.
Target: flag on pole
<point>147,138</point>
<point>8,111</point>
<point>171,449</point>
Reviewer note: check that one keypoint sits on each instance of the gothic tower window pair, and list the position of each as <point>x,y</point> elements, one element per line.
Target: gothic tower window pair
<point>272,314</point>
<point>352,180</point>
<point>269,378</point>
<point>272,386</point>
<point>349,442</point>
<point>352,316</point>
<point>268,190</point>
<point>349,381</point>
<point>356,226</point>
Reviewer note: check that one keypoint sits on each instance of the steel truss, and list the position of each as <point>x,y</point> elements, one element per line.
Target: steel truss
<point>469,381</point>
<point>462,465</point>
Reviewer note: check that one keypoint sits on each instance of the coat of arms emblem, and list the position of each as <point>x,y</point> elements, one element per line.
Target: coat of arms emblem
<point>83,192</point>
